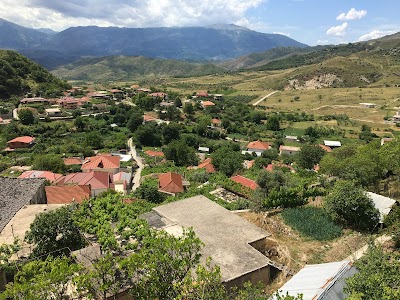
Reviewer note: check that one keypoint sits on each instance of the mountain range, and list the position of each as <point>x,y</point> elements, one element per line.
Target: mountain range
<point>219,42</point>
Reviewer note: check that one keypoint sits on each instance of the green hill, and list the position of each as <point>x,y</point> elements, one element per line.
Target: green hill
<point>19,75</point>
<point>121,68</point>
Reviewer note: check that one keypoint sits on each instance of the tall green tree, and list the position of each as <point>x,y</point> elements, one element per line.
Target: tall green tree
<point>273,123</point>
<point>349,204</point>
<point>135,120</point>
<point>46,280</point>
<point>49,162</point>
<point>55,233</point>
<point>227,160</point>
<point>378,276</point>
<point>309,156</point>
<point>26,116</point>
<point>180,153</point>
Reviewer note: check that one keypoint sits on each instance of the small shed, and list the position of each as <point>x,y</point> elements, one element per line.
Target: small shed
<point>204,149</point>
<point>332,144</point>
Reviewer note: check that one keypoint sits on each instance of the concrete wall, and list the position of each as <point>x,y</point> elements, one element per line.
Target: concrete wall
<point>261,275</point>
<point>40,195</point>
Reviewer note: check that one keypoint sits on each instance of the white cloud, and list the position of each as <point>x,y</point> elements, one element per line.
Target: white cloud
<point>352,14</point>
<point>375,34</point>
<point>282,33</point>
<point>338,30</point>
<point>59,15</point>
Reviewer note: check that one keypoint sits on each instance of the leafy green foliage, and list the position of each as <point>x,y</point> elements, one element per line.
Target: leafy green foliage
<point>273,123</point>
<point>48,279</point>
<point>149,192</point>
<point>49,162</point>
<point>180,153</point>
<point>309,156</point>
<point>227,161</point>
<point>26,116</point>
<point>312,222</point>
<point>55,233</point>
<point>149,134</point>
<point>108,215</point>
<point>348,204</point>
<point>366,164</point>
<point>135,120</point>
<point>378,276</point>
<point>19,75</point>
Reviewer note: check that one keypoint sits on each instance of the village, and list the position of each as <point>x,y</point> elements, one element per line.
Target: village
<point>231,172</point>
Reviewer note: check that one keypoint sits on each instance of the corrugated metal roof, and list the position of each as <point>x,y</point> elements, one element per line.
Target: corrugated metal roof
<point>321,281</point>
<point>382,203</point>
<point>332,143</point>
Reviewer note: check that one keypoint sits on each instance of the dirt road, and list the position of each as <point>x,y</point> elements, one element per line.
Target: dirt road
<point>263,98</point>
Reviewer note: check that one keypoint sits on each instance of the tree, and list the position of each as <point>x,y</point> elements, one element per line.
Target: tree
<point>171,132</point>
<point>26,116</point>
<point>378,276</point>
<point>227,160</point>
<point>149,135</point>
<point>188,108</point>
<point>149,192</point>
<point>309,156</point>
<point>48,279</point>
<point>103,279</point>
<point>79,123</point>
<point>55,233</point>
<point>348,204</point>
<point>273,123</point>
<point>94,140</point>
<point>180,153</point>
<point>135,120</point>
<point>49,162</point>
<point>162,264</point>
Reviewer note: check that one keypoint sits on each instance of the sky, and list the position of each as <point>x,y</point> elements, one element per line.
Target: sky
<point>311,22</point>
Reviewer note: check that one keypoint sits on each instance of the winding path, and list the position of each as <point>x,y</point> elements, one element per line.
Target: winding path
<point>138,159</point>
<point>263,98</point>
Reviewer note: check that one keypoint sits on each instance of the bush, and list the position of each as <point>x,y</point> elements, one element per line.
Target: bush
<point>312,222</point>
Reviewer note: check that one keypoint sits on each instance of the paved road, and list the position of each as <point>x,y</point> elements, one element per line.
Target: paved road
<point>138,159</point>
<point>263,98</point>
<point>15,114</point>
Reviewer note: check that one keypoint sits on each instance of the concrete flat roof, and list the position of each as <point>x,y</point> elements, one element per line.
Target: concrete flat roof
<point>226,236</point>
<point>21,222</point>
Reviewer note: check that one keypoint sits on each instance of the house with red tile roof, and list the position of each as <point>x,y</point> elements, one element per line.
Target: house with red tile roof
<point>98,181</point>
<point>66,194</point>
<point>68,161</point>
<point>148,118</point>
<point>216,122</point>
<point>207,165</point>
<point>206,104</point>
<point>152,153</point>
<point>258,147</point>
<point>102,163</point>
<point>50,176</point>
<point>122,182</point>
<point>272,167</point>
<point>251,184</point>
<point>20,142</point>
<point>170,183</point>
<point>202,94</point>
<point>160,95</point>
<point>325,148</point>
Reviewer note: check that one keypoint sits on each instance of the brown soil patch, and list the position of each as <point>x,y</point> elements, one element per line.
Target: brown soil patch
<point>294,251</point>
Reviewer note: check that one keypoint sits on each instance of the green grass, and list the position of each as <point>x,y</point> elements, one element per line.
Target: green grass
<point>312,222</point>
